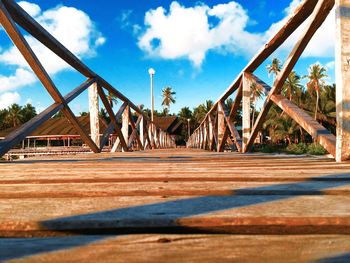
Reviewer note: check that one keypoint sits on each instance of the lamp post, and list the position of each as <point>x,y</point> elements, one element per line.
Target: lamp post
<point>151,72</point>
<point>189,129</point>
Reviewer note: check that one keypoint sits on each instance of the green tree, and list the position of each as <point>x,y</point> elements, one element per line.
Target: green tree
<point>59,114</point>
<point>28,112</point>
<point>15,115</point>
<point>275,67</point>
<point>292,87</point>
<point>168,97</point>
<point>103,114</point>
<point>208,105</point>
<point>184,115</point>
<point>327,108</point>
<point>316,77</point>
<point>112,99</point>
<point>256,93</point>
<point>3,119</point>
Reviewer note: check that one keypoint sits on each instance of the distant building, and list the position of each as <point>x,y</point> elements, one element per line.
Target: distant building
<point>170,124</point>
<point>56,129</point>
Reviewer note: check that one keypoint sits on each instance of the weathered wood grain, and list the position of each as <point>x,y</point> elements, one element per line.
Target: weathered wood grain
<point>343,79</point>
<point>179,248</point>
<point>174,191</point>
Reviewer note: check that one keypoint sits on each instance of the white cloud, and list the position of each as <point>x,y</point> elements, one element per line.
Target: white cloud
<point>72,27</point>
<point>20,78</point>
<point>8,98</point>
<point>322,45</point>
<point>189,33</point>
<point>31,9</point>
<point>330,65</point>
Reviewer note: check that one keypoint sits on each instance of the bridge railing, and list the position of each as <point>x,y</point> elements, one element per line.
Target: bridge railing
<point>144,133</point>
<point>215,130</point>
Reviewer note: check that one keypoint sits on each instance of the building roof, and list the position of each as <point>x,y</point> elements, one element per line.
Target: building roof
<point>58,127</point>
<point>171,124</point>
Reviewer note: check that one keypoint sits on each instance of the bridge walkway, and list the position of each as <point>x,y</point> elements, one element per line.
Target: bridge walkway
<point>174,205</point>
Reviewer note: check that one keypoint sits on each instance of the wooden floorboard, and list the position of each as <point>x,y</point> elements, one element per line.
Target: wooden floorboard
<point>182,203</point>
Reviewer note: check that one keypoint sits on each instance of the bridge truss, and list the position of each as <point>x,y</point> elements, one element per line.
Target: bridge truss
<point>217,126</point>
<point>145,134</point>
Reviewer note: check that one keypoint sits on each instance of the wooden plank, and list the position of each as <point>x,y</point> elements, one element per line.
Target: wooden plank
<point>174,189</point>
<point>316,130</point>
<point>318,17</point>
<point>173,248</point>
<point>343,79</point>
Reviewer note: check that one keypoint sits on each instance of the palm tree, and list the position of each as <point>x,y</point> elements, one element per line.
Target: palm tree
<point>316,76</point>
<point>112,99</point>
<point>255,93</point>
<point>168,97</point>
<point>185,113</point>
<point>229,102</point>
<point>208,105</point>
<point>28,112</point>
<point>281,127</point>
<point>3,119</point>
<point>327,108</point>
<point>274,67</point>
<point>15,115</point>
<point>270,124</point>
<point>164,113</point>
<point>286,129</point>
<point>292,87</point>
<point>199,113</point>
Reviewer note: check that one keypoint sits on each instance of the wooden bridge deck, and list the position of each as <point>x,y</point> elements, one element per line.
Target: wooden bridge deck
<point>175,206</point>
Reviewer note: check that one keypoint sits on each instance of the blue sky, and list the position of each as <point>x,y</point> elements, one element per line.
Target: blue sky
<point>197,48</point>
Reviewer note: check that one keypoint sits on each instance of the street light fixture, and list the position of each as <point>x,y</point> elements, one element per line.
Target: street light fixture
<point>151,72</point>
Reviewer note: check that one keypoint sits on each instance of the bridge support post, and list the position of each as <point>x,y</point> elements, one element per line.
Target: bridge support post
<point>142,132</point>
<point>150,134</point>
<point>211,132</point>
<point>246,129</point>
<point>155,134</point>
<point>94,111</point>
<point>161,139</point>
<point>343,79</point>
<point>125,124</point>
<point>221,126</point>
<point>205,134</point>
